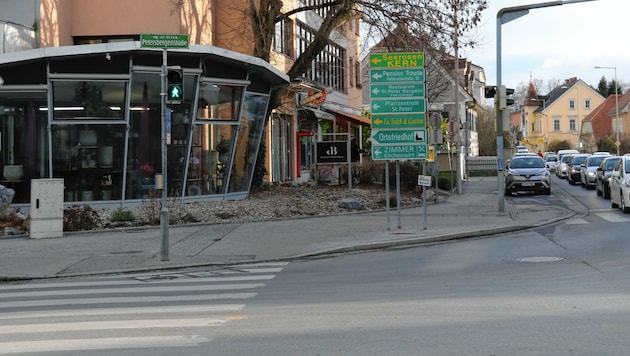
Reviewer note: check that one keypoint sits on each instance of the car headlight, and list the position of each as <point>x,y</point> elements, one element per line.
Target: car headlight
<point>592,174</point>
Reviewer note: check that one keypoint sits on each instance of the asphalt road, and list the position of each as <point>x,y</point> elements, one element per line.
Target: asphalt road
<point>554,290</point>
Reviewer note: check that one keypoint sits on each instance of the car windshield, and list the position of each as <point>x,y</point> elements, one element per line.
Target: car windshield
<point>595,161</point>
<point>552,158</point>
<point>527,162</point>
<point>566,159</point>
<point>578,160</point>
<point>627,166</point>
<point>610,164</point>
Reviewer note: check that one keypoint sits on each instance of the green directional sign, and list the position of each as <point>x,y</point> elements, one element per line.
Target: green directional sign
<point>167,41</point>
<point>399,121</point>
<point>397,60</point>
<point>397,106</point>
<point>399,152</point>
<point>397,90</point>
<point>399,136</point>
<point>402,75</point>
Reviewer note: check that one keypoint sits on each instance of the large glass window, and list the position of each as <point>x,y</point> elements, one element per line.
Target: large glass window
<point>88,99</point>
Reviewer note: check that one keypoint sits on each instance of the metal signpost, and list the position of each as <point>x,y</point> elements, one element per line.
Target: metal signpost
<point>165,42</point>
<point>398,105</point>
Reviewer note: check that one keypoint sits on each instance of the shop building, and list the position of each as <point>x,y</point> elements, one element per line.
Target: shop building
<point>91,115</point>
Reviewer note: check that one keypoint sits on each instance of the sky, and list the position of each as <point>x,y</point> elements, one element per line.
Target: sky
<point>558,42</point>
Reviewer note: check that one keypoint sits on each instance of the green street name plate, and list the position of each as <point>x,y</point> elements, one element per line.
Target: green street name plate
<point>395,106</point>
<point>399,136</point>
<point>397,60</point>
<point>397,90</point>
<point>380,153</point>
<point>153,40</point>
<point>411,75</point>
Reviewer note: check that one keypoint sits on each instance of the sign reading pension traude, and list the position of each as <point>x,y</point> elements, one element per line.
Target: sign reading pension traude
<point>397,75</point>
<point>167,41</point>
<point>399,152</point>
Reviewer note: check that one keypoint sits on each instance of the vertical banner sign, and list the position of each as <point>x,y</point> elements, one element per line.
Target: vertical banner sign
<point>398,106</point>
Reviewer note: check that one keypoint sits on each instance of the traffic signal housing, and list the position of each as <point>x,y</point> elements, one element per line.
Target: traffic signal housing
<point>504,101</point>
<point>174,85</point>
<point>490,91</point>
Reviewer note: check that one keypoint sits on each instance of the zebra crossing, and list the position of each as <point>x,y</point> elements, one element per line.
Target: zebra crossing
<point>609,215</point>
<point>152,310</point>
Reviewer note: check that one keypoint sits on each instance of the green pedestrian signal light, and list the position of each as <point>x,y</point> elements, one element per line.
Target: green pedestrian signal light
<point>174,85</point>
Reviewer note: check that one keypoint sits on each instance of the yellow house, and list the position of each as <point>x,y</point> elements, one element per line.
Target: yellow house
<point>558,115</point>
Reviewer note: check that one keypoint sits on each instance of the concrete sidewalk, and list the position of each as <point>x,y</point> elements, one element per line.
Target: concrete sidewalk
<point>473,213</point>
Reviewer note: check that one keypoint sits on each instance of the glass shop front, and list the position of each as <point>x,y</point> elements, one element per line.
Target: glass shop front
<point>98,124</point>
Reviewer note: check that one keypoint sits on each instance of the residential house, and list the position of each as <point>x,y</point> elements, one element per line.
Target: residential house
<point>558,116</point>
<point>599,125</point>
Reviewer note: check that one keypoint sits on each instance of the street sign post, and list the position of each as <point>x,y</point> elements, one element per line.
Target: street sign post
<point>399,121</point>
<point>397,90</point>
<point>397,75</point>
<point>396,106</point>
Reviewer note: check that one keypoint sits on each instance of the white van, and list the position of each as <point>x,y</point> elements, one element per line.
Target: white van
<point>566,152</point>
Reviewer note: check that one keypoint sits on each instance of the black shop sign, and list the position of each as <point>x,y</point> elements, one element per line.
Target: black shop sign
<point>332,152</point>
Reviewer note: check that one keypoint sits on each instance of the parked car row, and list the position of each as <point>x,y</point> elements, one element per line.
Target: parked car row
<point>609,175</point>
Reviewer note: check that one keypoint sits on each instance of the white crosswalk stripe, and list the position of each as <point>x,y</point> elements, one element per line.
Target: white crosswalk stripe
<point>117,313</point>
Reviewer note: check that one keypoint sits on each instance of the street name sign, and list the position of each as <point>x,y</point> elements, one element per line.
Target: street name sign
<point>398,121</point>
<point>387,137</point>
<point>397,75</point>
<point>165,41</point>
<point>397,90</point>
<point>399,152</point>
<point>396,106</point>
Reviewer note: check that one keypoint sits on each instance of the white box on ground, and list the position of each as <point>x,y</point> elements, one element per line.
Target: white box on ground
<point>46,208</point>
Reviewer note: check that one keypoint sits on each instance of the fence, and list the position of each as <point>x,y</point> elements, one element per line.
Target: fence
<point>484,165</point>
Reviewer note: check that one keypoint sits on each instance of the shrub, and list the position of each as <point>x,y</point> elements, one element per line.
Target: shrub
<point>122,215</point>
<point>79,218</point>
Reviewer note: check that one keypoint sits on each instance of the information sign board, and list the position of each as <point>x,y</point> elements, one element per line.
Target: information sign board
<point>380,153</point>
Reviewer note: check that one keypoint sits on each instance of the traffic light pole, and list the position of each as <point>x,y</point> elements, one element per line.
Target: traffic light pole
<point>164,245</point>
<point>506,15</point>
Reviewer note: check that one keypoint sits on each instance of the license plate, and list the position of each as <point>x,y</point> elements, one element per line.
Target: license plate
<point>528,184</point>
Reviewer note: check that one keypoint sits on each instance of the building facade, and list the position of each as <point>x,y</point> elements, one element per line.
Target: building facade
<point>92,113</point>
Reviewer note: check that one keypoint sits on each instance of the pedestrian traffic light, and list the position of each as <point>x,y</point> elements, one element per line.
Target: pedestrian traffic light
<point>504,101</point>
<point>490,91</point>
<point>174,85</point>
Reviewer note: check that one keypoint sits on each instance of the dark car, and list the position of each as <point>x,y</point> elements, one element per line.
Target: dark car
<point>589,169</point>
<point>574,166</point>
<point>602,177</point>
<point>527,174</point>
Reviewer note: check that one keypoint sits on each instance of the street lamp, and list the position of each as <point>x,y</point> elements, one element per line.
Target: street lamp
<point>617,143</point>
<point>504,16</point>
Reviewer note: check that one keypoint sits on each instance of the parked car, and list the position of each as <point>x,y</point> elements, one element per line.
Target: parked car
<point>551,160</point>
<point>589,169</point>
<point>620,185</point>
<point>521,149</point>
<point>602,177</point>
<point>527,174</point>
<point>561,169</point>
<point>574,166</point>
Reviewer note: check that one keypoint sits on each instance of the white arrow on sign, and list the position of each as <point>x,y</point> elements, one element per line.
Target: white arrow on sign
<point>377,76</point>
<point>376,91</point>
<point>376,106</point>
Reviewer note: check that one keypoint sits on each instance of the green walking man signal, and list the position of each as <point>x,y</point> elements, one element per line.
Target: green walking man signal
<point>174,85</point>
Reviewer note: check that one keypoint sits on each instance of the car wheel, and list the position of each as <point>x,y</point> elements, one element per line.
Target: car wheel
<point>597,191</point>
<point>606,191</point>
<point>612,202</point>
<point>548,191</point>
<point>624,208</point>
